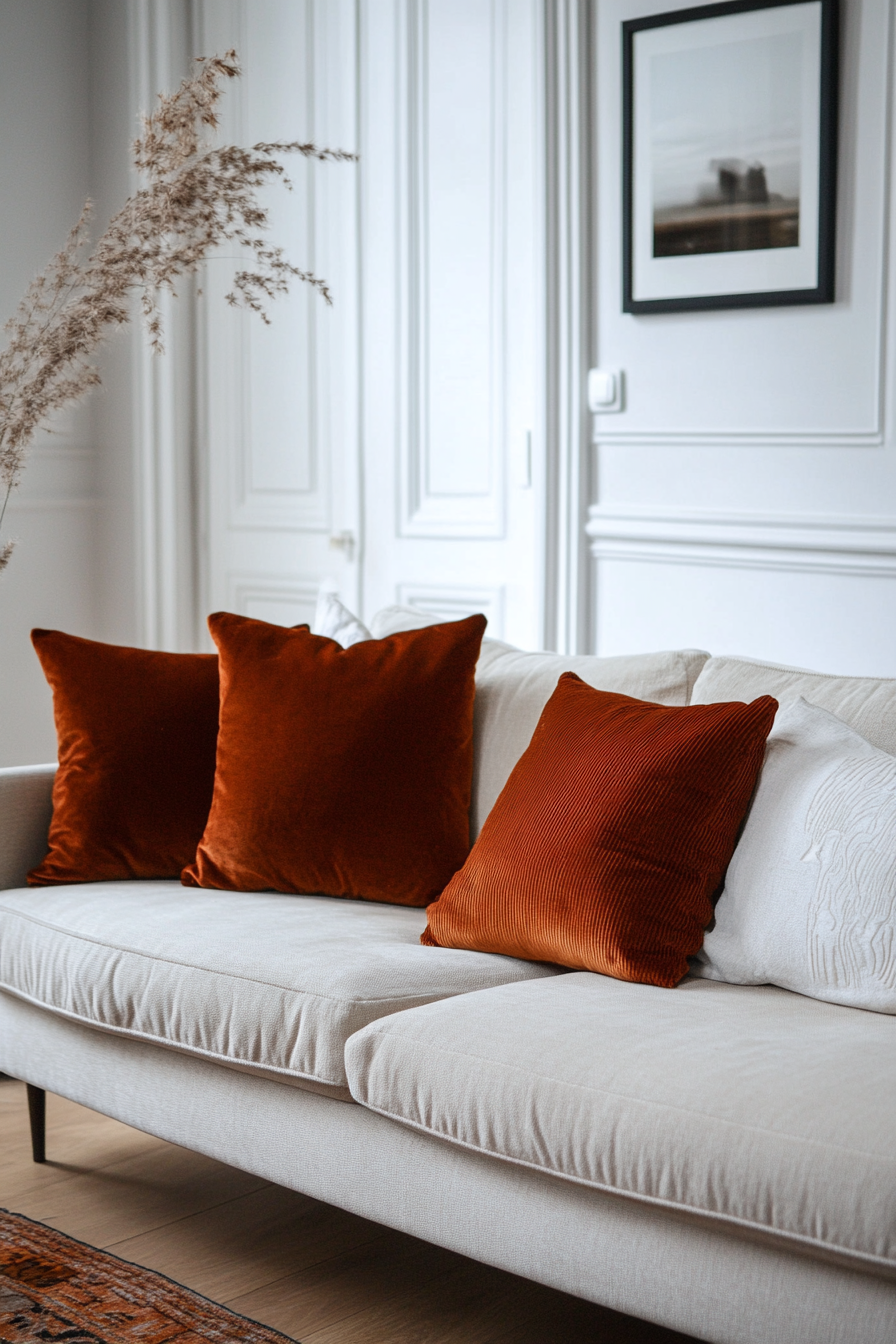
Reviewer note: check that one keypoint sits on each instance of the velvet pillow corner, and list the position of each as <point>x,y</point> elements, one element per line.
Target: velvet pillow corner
<point>136,730</point>
<point>341,771</point>
<point>610,837</point>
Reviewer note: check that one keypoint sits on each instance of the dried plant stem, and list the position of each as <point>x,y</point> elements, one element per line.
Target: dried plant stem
<point>197,196</point>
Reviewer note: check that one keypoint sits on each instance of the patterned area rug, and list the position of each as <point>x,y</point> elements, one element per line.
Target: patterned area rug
<point>53,1288</point>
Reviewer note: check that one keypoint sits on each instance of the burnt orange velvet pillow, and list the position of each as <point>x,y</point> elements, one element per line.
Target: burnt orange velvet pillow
<point>341,771</point>
<point>610,837</point>
<point>136,733</point>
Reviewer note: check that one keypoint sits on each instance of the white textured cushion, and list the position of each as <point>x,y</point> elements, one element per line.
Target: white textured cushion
<point>335,621</point>
<point>270,983</point>
<point>753,1107</point>
<point>513,687</point>
<point>867,704</point>
<point>810,894</point>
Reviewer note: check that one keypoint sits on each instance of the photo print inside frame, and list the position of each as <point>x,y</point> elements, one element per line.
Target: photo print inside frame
<point>730,131</point>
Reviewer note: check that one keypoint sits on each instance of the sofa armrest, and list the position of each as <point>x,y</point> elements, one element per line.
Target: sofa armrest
<point>26,805</point>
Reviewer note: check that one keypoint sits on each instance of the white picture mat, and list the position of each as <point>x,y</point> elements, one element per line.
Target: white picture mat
<point>747,272</point>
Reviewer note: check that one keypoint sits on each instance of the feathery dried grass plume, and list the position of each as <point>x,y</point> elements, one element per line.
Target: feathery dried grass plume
<point>196,197</point>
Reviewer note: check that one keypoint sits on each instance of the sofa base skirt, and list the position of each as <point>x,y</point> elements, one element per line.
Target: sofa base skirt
<point>678,1271</point>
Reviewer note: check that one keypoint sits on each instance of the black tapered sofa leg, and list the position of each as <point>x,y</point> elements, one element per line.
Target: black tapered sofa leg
<point>37,1114</point>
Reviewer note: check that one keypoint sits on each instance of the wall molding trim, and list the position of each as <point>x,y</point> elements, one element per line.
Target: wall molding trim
<point>162,386</point>
<point>825,543</point>
<point>245,589</point>
<point>568,320</point>
<point>727,438</point>
<point>26,505</point>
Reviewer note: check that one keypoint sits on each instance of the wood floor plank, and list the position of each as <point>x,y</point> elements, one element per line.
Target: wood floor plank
<point>254,1241</point>
<point>138,1196</point>
<point>362,1283</point>
<point>536,1314</point>
<point>466,1305</point>
<point>325,1293</point>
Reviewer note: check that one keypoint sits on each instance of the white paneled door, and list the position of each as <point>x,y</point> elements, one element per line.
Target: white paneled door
<point>390,447</point>
<point>280,402</point>
<point>451,244</point>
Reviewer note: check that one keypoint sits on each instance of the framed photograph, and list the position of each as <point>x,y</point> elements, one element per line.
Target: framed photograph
<point>730,143</point>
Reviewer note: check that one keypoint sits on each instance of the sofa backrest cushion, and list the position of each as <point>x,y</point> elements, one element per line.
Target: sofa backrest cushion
<point>867,704</point>
<point>513,687</point>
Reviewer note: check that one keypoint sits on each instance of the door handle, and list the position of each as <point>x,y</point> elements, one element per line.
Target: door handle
<point>345,542</point>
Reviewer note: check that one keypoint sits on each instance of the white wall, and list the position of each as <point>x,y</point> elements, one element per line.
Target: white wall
<point>44,180</point>
<point>746,498</point>
<point>105,516</point>
<point>144,414</point>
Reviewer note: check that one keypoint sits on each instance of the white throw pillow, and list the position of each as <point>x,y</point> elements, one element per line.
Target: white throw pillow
<point>393,620</point>
<point>336,622</point>
<point>809,901</point>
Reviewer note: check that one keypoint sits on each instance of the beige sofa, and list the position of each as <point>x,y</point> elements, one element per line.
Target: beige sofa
<point>720,1159</point>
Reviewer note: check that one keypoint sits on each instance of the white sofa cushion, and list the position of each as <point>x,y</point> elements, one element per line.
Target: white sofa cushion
<point>867,704</point>
<point>270,983</point>
<point>333,619</point>
<point>809,900</point>
<point>513,687</point>
<point>754,1107</point>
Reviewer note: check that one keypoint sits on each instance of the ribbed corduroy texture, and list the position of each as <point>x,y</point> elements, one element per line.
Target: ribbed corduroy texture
<point>610,837</point>
<point>137,732</point>
<point>344,772</point>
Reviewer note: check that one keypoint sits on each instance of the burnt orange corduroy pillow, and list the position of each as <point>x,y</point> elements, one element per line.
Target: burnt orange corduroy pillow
<point>136,732</point>
<point>610,837</point>
<point>341,771</point>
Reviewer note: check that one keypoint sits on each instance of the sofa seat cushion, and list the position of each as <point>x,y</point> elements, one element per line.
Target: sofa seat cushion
<point>747,1106</point>
<point>265,982</point>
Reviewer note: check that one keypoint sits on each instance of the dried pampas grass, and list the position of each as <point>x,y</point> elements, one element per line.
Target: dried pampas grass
<point>195,198</point>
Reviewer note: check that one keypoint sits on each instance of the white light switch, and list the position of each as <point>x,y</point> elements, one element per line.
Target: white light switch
<point>605,389</point>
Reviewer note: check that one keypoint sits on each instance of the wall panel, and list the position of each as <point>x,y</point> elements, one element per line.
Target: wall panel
<point>455,132</point>
<point>750,482</point>
<point>53,517</point>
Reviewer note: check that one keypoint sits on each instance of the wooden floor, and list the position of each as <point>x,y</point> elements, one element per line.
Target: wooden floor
<point>320,1275</point>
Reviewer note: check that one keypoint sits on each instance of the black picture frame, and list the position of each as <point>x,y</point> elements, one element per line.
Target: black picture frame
<point>638,270</point>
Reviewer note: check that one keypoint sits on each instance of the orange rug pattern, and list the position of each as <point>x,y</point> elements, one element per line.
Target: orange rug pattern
<point>53,1288</point>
